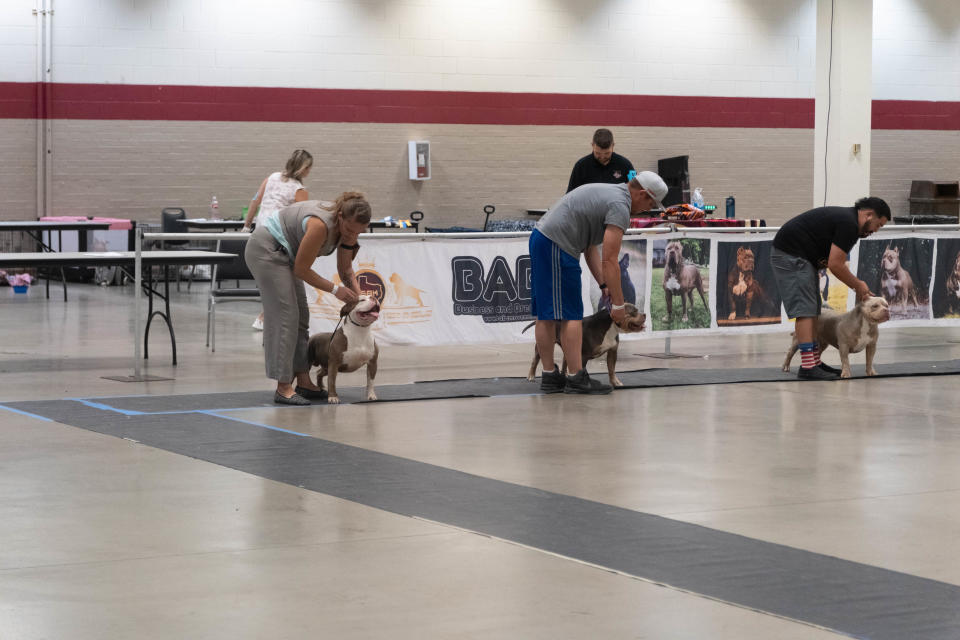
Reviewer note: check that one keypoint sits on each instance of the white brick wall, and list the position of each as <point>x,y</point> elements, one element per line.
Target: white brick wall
<point>683,47</point>
<point>916,50</point>
<point>18,41</point>
<point>756,48</point>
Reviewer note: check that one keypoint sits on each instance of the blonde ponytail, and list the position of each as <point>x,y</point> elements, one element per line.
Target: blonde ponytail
<point>298,164</point>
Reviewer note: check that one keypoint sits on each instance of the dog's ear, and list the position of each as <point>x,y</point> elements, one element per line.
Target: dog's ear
<point>348,307</point>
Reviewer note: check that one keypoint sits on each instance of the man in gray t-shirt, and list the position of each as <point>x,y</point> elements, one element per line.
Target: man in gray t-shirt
<point>579,223</point>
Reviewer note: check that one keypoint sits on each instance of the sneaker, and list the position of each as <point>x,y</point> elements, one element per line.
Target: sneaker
<point>295,400</point>
<point>829,369</point>
<point>258,324</point>
<point>553,381</point>
<point>816,373</point>
<point>583,383</point>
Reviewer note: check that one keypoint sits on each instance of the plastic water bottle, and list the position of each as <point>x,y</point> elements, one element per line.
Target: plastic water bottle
<point>697,199</point>
<point>214,209</point>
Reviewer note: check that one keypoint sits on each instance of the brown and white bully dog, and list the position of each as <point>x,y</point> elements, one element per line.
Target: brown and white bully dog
<point>953,287</point>
<point>680,279</point>
<point>896,285</point>
<point>742,287</point>
<point>849,332</point>
<point>347,349</point>
<point>601,335</point>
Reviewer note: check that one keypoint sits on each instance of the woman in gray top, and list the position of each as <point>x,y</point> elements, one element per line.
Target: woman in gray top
<point>280,254</point>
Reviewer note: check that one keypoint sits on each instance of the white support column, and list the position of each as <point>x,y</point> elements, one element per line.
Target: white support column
<point>843,101</point>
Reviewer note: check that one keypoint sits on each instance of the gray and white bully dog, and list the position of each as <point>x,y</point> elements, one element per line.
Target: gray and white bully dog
<point>849,332</point>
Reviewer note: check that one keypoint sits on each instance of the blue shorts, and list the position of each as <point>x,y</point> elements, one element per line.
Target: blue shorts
<point>555,283</point>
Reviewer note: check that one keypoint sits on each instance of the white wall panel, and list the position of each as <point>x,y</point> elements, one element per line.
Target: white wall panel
<point>757,48</point>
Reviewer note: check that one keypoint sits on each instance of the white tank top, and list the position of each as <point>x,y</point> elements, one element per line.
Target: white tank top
<point>278,193</point>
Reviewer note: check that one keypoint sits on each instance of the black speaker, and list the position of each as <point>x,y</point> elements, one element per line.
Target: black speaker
<point>675,173</point>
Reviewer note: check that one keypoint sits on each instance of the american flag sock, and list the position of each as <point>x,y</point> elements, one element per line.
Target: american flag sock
<point>809,357</point>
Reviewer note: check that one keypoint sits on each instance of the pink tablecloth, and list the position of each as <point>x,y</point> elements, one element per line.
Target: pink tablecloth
<point>115,223</point>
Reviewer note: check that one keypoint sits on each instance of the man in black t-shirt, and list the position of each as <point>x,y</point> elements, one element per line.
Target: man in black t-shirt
<point>602,165</point>
<point>819,238</point>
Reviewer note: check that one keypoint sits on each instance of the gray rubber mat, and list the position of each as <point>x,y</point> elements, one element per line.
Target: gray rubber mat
<point>487,387</point>
<point>858,600</point>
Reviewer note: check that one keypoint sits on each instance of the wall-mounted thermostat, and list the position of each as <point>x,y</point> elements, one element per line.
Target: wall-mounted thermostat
<point>419,152</point>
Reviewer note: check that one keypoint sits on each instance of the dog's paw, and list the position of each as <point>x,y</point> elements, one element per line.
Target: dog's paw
<point>871,372</point>
<point>531,378</point>
<point>371,396</point>
<point>616,382</point>
<point>785,368</point>
<point>685,319</point>
<point>732,316</point>
<point>333,400</point>
<point>665,319</point>
<point>845,373</point>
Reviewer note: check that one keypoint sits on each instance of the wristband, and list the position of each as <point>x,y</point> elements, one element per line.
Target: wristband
<point>617,307</point>
<point>350,247</point>
<point>334,290</point>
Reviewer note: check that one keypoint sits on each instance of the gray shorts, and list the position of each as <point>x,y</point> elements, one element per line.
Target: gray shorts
<point>798,284</point>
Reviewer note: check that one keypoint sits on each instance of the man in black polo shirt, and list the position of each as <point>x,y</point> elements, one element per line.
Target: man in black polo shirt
<point>819,238</point>
<point>603,165</point>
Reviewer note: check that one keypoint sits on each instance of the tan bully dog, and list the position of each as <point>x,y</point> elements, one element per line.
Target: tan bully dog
<point>601,336</point>
<point>742,287</point>
<point>347,349</point>
<point>953,287</point>
<point>849,332</point>
<point>896,285</point>
<point>680,279</point>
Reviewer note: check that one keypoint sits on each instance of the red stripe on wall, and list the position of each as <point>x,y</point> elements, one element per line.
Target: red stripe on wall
<point>264,104</point>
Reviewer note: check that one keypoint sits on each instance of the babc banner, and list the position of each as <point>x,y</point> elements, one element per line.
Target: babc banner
<point>437,291</point>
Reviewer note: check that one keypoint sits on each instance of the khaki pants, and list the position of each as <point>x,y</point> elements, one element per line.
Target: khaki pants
<point>286,317</point>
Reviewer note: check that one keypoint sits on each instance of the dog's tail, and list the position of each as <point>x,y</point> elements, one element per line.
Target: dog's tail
<point>528,326</point>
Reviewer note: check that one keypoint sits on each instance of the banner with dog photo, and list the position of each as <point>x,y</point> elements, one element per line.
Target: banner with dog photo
<point>945,303</point>
<point>680,283</point>
<point>440,291</point>
<point>633,276</point>
<point>747,293</point>
<point>900,269</point>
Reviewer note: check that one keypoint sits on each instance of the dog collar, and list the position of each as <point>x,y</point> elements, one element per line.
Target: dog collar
<point>354,323</point>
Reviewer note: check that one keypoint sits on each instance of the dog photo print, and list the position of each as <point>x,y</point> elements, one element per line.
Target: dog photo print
<point>633,274</point>
<point>679,288</point>
<point>900,270</point>
<point>946,281</point>
<point>833,293</point>
<point>746,291</point>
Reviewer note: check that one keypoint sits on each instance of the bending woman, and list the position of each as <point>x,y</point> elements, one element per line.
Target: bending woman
<point>280,254</point>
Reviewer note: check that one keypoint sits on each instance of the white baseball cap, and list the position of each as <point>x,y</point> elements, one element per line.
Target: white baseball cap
<point>652,184</point>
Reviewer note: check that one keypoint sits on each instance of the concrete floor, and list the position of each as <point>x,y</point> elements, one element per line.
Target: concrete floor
<point>105,538</point>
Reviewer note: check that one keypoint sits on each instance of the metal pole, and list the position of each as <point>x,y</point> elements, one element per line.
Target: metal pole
<point>137,277</point>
